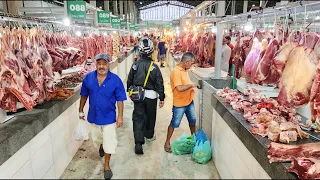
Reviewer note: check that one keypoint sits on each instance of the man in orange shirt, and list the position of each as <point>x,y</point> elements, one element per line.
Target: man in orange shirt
<point>183,94</point>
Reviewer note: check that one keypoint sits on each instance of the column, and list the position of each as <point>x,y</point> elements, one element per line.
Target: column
<point>121,8</point>
<point>125,9</point>
<point>233,7</point>
<point>245,6</point>
<point>193,17</point>
<point>262,3</point>
<point>106,6</point>
<point>210,10</point>
<point>93,3</point>
<point>219,35</point>
<point>115,7</point>
<point>203,13</point>
<point>11,7</point>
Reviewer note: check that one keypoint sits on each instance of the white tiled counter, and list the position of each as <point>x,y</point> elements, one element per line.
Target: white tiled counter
<point>49,152</point>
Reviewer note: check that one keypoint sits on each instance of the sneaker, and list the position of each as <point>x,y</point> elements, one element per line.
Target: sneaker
<point>101,151</point>
<point>138,149</point>
<point>151,139</point>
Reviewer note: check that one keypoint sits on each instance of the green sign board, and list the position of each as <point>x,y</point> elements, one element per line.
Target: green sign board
<point>76,9</point>
<point>123,23</point>
<point>132,27</point>
<point>103,16</point>
<point>115,21</point>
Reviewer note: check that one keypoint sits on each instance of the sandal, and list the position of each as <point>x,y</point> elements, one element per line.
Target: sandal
<point>167,149</point>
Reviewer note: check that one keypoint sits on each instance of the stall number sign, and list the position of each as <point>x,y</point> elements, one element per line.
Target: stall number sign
<point>132,27</point>
<point>123,23</point>
<point>115,21</point>
<point>103,16</point>
<point>77,9</point>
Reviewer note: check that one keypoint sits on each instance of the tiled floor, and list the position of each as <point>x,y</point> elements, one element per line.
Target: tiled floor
<point>154,164</point>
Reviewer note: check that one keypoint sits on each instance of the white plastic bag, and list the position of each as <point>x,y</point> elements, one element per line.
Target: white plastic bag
<point>80,133</point>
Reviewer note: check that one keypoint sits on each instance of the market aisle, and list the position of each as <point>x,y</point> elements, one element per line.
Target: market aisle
<point>154,164</point>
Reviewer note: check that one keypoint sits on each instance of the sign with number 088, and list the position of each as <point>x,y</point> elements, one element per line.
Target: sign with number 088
<point>115,21</point>
<point>76,9</point>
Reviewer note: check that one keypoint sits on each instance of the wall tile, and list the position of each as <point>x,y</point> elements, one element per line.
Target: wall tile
<point>25,172</point>
<point>9,168</point>
<point>42,160</point>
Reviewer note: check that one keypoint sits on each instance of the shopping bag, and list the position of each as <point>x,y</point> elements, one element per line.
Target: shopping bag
<point>183,145</point>
<point>202,152</point>
<point>80,133</point>
<point>201,135</point>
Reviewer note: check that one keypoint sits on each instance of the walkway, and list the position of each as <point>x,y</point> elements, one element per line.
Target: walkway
<point>154,164</point>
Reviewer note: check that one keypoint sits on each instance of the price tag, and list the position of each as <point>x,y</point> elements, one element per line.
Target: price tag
<point>77,9</point>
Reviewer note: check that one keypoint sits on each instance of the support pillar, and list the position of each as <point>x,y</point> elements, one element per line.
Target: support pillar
<point>115,7</point>
<point>245,6</point>
<point>193,17</point>
<point>125,9</point>
<point>121,8</point>
<point>219,35</point>
<point>203,13</point>
<point>106,6</point>
<point>93,3</point>
<point>262,3</point>
<point>210,10</point>
<point>233,7</point>
<point>11,7</point>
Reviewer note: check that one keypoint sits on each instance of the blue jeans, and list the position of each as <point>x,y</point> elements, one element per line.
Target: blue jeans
<point>178,112</point>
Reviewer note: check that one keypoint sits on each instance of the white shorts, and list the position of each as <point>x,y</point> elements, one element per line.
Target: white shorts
<point>105,135</point>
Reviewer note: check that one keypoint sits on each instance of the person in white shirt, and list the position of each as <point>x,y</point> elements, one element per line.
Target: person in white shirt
<point>225,56</point>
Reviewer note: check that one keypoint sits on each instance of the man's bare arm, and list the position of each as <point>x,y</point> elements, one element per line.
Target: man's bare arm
<point>83,101</point>
<point>182,88</point>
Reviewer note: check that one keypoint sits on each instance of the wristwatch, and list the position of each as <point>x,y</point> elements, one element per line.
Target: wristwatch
<point>81,114</point>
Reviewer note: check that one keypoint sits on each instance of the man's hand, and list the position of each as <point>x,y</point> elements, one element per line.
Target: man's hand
<point>119,122</point>
<point>81,116</point>
<point>161,104</point>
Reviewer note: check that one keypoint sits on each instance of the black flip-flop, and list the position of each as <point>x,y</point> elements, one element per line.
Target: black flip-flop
<point>108,174</point>
<point>167,149</point>
<point>101,151</point>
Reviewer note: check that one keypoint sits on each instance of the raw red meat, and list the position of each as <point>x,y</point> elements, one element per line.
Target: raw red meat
<point>285,153</point>
<point>306,168</point>
<point>299,72</point>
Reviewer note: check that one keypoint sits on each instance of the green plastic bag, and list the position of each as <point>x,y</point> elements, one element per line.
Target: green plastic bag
<point>183,145</point>
<point>202,152</point>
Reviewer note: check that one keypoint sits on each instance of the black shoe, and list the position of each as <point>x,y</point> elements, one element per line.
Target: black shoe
<point>101,151</point>
<point>108,174</point>
<point>138,149</point>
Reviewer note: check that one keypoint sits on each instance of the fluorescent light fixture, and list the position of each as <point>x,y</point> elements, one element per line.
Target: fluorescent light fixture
<point>114,32</point>
<point>194,28</point>
<point>317,18</point>
<point>66,21</point>
<point>140,2</point>
<point>248,26</point>
<point>105,34</point>
<point>78,33</point>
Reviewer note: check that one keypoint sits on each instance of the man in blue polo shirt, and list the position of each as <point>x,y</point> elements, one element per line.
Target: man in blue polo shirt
<point>104,89</point>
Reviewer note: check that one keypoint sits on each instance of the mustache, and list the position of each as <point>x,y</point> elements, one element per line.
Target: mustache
<point>101,69</point>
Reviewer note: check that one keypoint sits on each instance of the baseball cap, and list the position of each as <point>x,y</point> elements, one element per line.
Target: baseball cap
<point>103,56</point>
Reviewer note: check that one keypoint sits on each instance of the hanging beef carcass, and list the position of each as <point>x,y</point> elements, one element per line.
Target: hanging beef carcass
<point>13,81</point>
<point>251,58</point>
<point>209,51</point>
<point>256,68</point>
<point>297,77</point>
<point>273,63</point>
<point>315,91</point>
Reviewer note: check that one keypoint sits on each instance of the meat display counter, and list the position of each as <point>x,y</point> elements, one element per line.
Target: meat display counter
<point>237,153</point>
<point>42,138</point>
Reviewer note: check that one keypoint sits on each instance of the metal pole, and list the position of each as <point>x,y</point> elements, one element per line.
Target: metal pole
<point>115,7</point>
<point>106,5</point>
<point>219,35</point>
<point>121,8</point>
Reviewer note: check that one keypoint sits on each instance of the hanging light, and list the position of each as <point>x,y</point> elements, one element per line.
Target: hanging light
<point>317,18</point>
<point>66,21</point>
<point>248,26</point>
<point>194,28</point>
<point>114,32</point>
<point>105,34</point>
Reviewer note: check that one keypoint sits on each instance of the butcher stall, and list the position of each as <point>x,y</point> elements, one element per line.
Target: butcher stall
<point>40,103</point>
<point>263,121</point>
